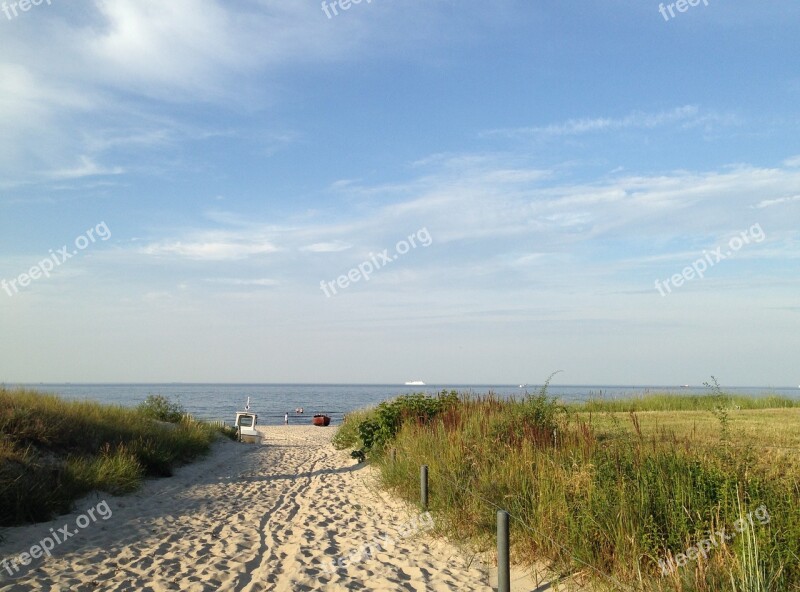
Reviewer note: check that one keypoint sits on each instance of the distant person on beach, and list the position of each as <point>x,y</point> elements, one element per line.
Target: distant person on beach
<point>286,418</point>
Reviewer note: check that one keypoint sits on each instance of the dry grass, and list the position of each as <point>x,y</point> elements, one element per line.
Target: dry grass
<point>771,436</point>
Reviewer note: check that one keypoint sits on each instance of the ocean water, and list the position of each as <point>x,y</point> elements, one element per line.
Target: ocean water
<point>271,401</point>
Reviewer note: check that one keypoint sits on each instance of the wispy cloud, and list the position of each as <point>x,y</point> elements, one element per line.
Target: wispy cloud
<point>794,161</point>
<point>106,75</point>
<point>210,251</point>
<point>686,116</point>
<point>259,282</point>
<point>86,168</point>
<point>501,203</point>
<point>329,247</point>
<point>767,203</point>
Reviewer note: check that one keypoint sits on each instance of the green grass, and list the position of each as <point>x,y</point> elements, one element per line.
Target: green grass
<point>53,451</point>
<point>608,491</point>
<point>678,402</point>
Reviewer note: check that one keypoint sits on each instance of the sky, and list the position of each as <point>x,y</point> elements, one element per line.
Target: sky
<point>376,192</point>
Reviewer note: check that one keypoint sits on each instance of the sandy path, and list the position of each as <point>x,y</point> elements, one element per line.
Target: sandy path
<point>247,518</point>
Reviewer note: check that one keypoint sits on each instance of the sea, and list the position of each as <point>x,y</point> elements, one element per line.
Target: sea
<point>272,401</point>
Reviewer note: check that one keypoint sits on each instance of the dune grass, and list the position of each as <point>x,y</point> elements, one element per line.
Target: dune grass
<point>53,451</point>
<point>607,492</point>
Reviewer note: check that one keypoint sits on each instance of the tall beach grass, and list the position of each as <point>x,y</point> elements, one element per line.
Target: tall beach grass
<point>605,500</point>
<point>53,451</point>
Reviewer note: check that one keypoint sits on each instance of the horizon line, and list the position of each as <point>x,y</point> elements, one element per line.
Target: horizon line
<point>390,384</point>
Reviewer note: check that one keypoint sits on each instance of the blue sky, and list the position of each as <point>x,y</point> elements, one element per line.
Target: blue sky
<point>561,156</point>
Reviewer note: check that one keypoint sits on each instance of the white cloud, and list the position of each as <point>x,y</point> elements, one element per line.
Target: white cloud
<point>686,116</point>
<point>33,110</point>
<point>529,259</point>
<point>468,204</point>
<point>260,282</point>
<point>86,168</point>
<point>210,251</point>
<point>794,161</point>
<point>74,82</point>
<point>497,209</point>
<point>329,247</point>
<point>192,43</point>
<point>343,184</point>
<point>774,202</point>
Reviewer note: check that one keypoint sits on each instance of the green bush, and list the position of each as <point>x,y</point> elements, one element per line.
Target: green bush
<point>160,408</point>
<point>371,430</point>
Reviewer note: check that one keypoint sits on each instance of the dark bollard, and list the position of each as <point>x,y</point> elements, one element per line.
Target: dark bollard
<point>503,565</point>
<point>423,486</point>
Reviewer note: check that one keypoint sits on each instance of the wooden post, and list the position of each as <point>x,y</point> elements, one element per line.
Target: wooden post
<point>423,486</point>
<point>503,565</point>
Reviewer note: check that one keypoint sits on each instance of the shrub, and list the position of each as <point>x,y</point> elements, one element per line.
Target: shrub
<point>160,408</point>
<point>371,430</point>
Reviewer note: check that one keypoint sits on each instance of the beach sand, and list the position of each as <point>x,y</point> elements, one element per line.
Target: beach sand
<point>247,517</point>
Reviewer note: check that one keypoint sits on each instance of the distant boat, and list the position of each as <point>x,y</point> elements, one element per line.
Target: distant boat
<point>523,386</point>
<point>415,383</point>
<point>245,424</point>
<point>684,386</point>
<point>321,420</point>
